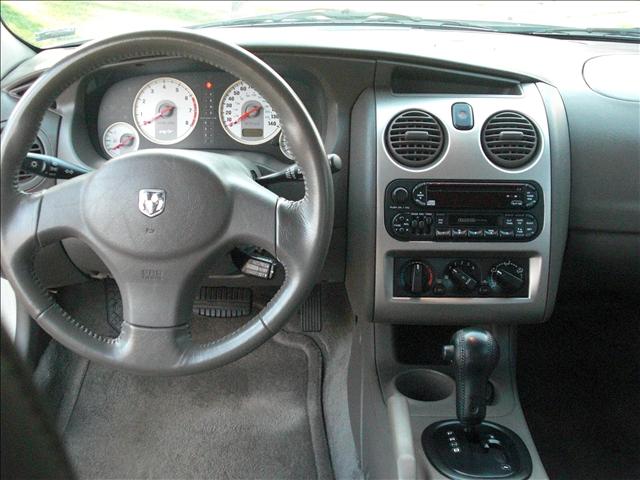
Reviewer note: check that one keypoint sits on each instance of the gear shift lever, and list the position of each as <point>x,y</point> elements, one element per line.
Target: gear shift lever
<point>470,447</point>
<point>474,353</point>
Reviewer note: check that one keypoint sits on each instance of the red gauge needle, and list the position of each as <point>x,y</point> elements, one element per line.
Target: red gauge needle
<point>257,108</point>
<point>125,142</point>
<point>163,111</point>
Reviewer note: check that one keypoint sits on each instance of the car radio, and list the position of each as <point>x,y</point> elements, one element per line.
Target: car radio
<point>463,211</point>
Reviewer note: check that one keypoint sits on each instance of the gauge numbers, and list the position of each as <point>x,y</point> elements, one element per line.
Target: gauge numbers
<point>246,116</point>
<point>120,138</point>
<point>165,110</point>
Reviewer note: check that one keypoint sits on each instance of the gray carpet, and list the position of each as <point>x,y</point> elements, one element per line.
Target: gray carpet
<point>260,417</point>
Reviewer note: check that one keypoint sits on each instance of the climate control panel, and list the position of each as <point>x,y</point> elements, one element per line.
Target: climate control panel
<point>460,277</point>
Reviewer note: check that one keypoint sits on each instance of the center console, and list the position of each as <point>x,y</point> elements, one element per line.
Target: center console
<point>458,212</point>
<point>464,206</point>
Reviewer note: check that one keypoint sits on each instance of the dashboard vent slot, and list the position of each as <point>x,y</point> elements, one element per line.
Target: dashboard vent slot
<point>415,138</point>
<point>18,92</point>
<point>509,139</point>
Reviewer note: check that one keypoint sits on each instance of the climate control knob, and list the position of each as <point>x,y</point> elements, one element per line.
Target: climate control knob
<point>463,275</point>
<point>506,277</point>
<point>417,277</point>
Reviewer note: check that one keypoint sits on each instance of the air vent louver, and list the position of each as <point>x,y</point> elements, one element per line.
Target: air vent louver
<point>415,138</point>
<point>28,181</point>
<point>509,139</point>
<point>25,178</point>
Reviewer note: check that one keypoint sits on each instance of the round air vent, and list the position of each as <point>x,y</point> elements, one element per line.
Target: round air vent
<point>415,138</point>
<point>27,181</point>
<point>509,139</point>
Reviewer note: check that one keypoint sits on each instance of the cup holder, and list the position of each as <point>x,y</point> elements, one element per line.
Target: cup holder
<point>424,385</point>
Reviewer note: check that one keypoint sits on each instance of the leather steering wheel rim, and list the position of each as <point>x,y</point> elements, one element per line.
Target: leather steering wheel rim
<point>211,203</point>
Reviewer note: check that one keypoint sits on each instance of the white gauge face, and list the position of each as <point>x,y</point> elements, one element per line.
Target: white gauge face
<point>246,116</point>
<point>165,111</point>
<point>285,148</point>
<point>120,138</point>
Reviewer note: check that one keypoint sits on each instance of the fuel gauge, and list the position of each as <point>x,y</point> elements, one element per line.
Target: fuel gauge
<point>120,138</point>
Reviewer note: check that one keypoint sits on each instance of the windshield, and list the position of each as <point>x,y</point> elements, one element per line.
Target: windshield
<point>52,23</point>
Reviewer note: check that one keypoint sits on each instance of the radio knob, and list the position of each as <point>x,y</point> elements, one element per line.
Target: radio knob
<point>463,275</point>
<point>506,277</point>
<point>417,277</point>
<point>399,195</point>
<point>419,194</point>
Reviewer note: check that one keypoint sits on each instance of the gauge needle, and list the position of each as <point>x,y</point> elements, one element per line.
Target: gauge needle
<point>257,108</point>
<point>125,142</point>
<point>163,111</point>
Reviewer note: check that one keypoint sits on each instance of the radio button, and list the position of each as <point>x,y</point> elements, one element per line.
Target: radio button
<point>475,232</point>
<point>491,233</point>
<point>441,219</point>
<point>506,233</point>
<point>400,225</point>
<point>459,232</point>
<point>443,233</point>
<point>516,203</point>
<point>508,221</point>
<point>530,196</point>
<point>419,194</point>
<point>519,231</point>
<point>530,226</point>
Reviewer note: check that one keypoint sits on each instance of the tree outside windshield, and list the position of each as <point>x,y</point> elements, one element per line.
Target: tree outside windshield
<point>52,23</point>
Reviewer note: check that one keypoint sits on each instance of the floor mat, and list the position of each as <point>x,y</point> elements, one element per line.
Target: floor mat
<point>259,417</point>
<point>578,382</point>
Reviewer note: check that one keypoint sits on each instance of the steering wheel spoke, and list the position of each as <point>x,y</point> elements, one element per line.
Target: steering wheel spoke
<point>157,349</point>
<point>156,293</point>
<point>60,214</point>
<point>254,217</point>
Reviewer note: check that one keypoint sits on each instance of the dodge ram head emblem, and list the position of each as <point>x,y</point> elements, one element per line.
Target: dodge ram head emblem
<point>151,201</point>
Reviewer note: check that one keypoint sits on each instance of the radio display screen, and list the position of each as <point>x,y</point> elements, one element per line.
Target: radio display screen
<point>466,199</point>
<point>462,195</point>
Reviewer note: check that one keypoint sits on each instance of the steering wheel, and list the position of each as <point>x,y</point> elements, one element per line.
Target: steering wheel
<point>208,202</point>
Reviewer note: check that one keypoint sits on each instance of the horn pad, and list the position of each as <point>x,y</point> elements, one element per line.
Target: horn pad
<point>156,203</point>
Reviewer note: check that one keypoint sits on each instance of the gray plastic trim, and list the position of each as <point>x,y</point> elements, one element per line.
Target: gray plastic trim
<point>560,151</point>
<point>403,446</point>
<point>463,159</point>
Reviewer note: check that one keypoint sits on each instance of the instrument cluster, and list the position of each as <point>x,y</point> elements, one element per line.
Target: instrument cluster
<point>200,110</point>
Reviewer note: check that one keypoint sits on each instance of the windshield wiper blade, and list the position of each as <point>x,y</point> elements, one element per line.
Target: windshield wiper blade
<point>321,16</point>
<point>611,33</point>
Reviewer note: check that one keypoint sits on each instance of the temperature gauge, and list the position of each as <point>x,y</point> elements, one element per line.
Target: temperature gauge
<point>120,138</point>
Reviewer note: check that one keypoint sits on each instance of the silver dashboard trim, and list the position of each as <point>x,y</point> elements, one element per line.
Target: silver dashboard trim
<point>462,159</point>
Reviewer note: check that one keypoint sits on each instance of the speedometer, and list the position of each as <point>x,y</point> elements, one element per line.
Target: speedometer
<point>246,116</point>
<point>165,110</point>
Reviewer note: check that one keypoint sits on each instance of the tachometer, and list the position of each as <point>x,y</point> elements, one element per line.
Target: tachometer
<point>246,116</point>
<point>120,138</point>
<point>165,110</point>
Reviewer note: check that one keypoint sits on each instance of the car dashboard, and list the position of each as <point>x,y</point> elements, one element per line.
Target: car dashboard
<point>464,169</point>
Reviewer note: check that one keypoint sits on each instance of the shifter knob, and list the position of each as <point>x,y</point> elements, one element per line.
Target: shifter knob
<point>474,353</point>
